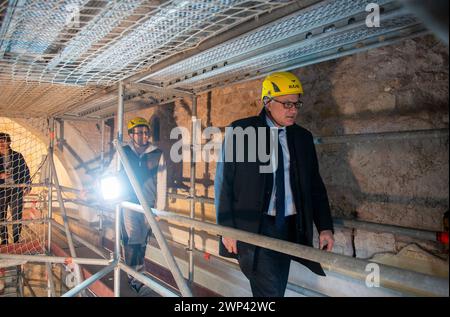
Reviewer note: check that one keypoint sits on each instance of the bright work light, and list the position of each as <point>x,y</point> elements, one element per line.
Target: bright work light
<point>110,187</point>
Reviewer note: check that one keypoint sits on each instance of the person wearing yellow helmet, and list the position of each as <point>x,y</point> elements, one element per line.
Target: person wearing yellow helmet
<point>281,93</point>
<point>149,166</point>
<point>139,132</point>
<point>283,203</point>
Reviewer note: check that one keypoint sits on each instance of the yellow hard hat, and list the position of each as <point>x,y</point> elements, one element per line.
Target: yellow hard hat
<point>136,122</point>
<point>280,84</point>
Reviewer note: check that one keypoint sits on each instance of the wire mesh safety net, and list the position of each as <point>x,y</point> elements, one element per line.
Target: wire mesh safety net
<point>80,42</point>
<point>22,158</point>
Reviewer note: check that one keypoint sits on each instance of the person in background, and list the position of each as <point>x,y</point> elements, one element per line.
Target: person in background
<point>149,166</point>
<point>13,171</point>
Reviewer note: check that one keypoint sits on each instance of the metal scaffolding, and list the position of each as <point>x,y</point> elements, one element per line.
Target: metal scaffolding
<point>80,42</point>
<point>405,281</point>
<point>68,55</point>
<point>402,280</point>
<point>110,43</point>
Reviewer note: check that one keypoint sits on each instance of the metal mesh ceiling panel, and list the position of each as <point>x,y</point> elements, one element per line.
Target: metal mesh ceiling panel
<point>309,19</point>
<point>21,99</point>
<point>55,54</point>
<point>304,53</point>
<point>100,42</point>
<point>326,30</point>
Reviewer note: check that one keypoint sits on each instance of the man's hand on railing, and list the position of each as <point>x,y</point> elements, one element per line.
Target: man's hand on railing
<point>326,239</point>
<point>230,244</point>
<point>4,175</point>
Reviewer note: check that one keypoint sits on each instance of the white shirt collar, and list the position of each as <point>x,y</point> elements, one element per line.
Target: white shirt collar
<point>149,148</point>
<point>271,124</point>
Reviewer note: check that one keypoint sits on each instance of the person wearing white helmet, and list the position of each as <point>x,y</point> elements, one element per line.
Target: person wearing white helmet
<point>282,204</point>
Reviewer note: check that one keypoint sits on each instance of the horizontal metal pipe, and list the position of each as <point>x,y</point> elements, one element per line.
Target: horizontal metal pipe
<point>375,227</point>
<point>64,188</point>
<point>304,291</point>
<point>375,136</point>
<point>83,285</point>
<point>160,289</point>
<point>24,222</point>
<point>390,277</point>
<point>349,223</point>
<point>77,118</point>
<point>31,201</point>
<point>87,204</point>
<point>382,136</point>
<point>83,241</point>
<point>23,185</point>
<point>204,200</point>
<point>53,259</point>
<point>69,189</point>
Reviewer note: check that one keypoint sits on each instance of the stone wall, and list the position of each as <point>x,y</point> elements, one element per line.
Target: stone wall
<point>401,182</point>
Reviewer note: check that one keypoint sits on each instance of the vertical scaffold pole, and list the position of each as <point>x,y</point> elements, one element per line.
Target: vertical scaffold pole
<point>51,134</point>
<point>73,254</point>
<point>192,188</point>
<point>102,169</point>
<point>49,185</point>
<point>120,113</point>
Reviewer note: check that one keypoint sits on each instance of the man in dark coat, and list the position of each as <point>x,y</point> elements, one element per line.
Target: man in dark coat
<point>13,171</point>
<point>280,197</point>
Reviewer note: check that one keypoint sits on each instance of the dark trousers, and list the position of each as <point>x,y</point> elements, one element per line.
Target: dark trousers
<point>134,253</point>
<point>14,199</point>
<point>134,256</point>
<point>268,270</point>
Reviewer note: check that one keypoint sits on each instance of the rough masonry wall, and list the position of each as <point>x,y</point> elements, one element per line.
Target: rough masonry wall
<point>395,88</point>
<point>401,182</point>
